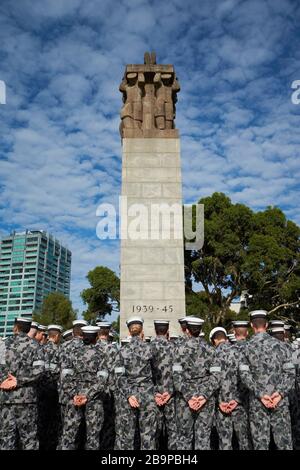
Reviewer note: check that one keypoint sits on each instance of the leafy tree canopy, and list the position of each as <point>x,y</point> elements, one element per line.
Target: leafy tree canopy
<point>56,309</point>
<point>244,250</point>
<point>104,294</point>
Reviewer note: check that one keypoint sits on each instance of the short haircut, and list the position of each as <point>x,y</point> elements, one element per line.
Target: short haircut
<point>241,330</point>
<point>219,335</point>
<point>104,331</point>
<point>77,331</point>
<point>259,322</point>
<point>135,329</point>
<point>195,330</point>
<point>23,327</point>
<point>161,329</point>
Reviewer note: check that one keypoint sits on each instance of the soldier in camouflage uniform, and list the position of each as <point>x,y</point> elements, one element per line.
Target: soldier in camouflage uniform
<point>295,408</point>
<point>107,436</point>
<point>33,330</point>
<point>122,413</point>
<point>162,362</point>
<point>267,370</point>
<point>133,376</point>
<point>64,355</point>
<point>39,335</point>
<point>294,404</point>
<point>231,409</point>
<point>180,339</point>
<point>88,383</point>
<point>19,375</point>
<point>241,413</point>
<point>196,375</point>
<point>49,419</point>
<point>67,335</point>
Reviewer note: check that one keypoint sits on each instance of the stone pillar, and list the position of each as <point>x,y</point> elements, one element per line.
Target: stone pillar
<point>152,267</point>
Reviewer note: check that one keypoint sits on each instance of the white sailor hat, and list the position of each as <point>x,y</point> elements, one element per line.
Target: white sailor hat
<point>202,334</point>
<point>161,322</point>
<point>217,329</point>
<point>125,341</point>
<point>182,320</point>
<point>194,321</point>
<point>23,320</point>
<point>80,323</point>
<point>173,337</point>
<point>233,339</point>
<point>258,314</point>
<point>42,328</point>
<point>90,330</point>
<point>148,339</point>
<point>277,329</point>
<point>132,320</point>
<point>55,327</point>
<point>35,325</point>
<point>240,324</point>
<point>67,333</point>
<point>287,327</point>
<point>103,324</point>
<point>279,323</point>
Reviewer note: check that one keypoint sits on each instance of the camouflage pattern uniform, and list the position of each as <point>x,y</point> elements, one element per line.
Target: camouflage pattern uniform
<point>196,372</point>
<point>133,377</point>
<point>162,362</point>
<point>122,413</point>
<point>63,359</point>
<point>107,436</point>
<point>232,389</point>
<point>89,377</point>
<point>294,396</point>
<point>266,367</point>
<point>49,420</point>
<point>19,406</point>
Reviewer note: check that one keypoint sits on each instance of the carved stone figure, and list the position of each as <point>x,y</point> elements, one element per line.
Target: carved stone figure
<point>166,87</point>
<point>149,97</point>
<point>132,89</point>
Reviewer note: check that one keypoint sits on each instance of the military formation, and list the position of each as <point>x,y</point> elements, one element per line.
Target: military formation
<point>81,390</point>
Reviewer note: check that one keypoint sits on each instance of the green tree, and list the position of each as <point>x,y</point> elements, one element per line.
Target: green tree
<point>103,296</point>
<point>116,325</point>
<point>56,309</point>
<point>243,250</point>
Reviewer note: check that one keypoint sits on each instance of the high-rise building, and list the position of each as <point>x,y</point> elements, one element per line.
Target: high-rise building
<point>32,264</point>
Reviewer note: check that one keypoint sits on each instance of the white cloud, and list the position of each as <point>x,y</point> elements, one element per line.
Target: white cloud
<point>60,148</point>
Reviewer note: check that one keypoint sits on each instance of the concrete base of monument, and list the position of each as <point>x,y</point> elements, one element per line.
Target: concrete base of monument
<point>152,270</point>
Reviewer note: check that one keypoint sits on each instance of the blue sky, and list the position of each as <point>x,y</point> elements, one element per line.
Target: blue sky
<point>60,152</point>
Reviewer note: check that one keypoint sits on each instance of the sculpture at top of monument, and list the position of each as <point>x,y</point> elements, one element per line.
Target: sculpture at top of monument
<point>149,97</point>
<point>166,88</point>
<point>131,87</point>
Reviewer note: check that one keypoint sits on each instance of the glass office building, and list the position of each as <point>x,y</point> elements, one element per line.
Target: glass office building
<point>32,264</point>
